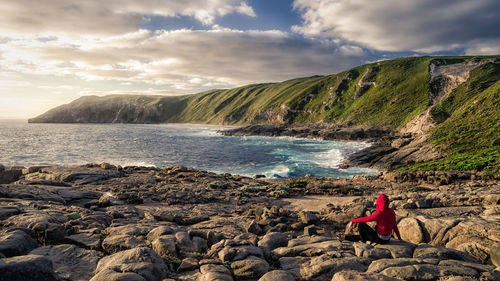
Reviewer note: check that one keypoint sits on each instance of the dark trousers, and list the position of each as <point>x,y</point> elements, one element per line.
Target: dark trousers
<point>366,233</point>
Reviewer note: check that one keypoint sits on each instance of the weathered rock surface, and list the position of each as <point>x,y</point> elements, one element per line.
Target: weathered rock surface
<point>277,275</point>
<point>26,268</point>
<point>16,243</point>
<point>69,261</point>
<point>204,226</point>
<point>141,261</point>
<point>352,275</point>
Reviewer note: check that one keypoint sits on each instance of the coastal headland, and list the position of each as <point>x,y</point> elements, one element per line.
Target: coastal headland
<point>433,124</point>
<point>103,222</point>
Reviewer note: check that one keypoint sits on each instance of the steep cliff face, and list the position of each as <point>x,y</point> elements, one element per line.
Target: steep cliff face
<point>444,78</point>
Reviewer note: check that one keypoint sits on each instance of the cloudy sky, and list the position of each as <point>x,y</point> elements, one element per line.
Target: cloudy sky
<point>54,51</point>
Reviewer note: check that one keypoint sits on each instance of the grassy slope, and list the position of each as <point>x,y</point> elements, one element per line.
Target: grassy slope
<point>468,117</point>
<point>400,94</point>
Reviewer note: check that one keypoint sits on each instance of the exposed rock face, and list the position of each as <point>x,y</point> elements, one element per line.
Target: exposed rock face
<point>175,232</point>
<point>70,262</point>
<point>443,80</point>
<point>324,131</point>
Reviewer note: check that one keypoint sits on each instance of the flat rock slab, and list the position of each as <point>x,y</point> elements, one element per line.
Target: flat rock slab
<point>315,202</point>
<point>84,240</point>
<point>351,275</point>
<point>70,262</point>
<point>79,175</point>
<point>277,275</point>
<point>16,243</point>
<point>27,268</point>
<point>139,261</point>
<point>29,192</point>
<point>7,211</point>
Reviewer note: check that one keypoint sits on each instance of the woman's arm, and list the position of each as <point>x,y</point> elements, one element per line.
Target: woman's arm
<point>396,229</point>
<point>372,217</point>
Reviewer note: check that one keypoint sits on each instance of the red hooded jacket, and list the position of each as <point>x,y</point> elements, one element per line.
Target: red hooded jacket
<point>383,216</point>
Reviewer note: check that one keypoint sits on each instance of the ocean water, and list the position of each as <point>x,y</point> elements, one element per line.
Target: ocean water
<point>196,146</point>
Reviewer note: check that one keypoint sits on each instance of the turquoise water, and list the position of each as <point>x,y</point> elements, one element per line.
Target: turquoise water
<point>199,147</point>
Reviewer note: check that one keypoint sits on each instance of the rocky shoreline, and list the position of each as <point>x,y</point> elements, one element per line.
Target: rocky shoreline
<point>389,150</point>
<point>102,222</point>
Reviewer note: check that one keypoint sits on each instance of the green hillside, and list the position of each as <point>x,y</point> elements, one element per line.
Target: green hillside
<point>459,95</point>
<point>400,93</point>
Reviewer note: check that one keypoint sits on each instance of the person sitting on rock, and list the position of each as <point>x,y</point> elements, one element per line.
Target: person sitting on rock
<point>385,218</point>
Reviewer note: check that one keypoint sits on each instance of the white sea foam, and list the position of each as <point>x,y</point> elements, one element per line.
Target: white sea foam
<point>329,159</point>
<point>137,163</point>
<point>279,171</point>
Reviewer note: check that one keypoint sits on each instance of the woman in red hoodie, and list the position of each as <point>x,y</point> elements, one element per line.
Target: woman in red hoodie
<point>386,223</point>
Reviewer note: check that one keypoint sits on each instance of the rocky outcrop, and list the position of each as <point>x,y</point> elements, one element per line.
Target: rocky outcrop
<point>60,232</point>
<point>444,78</point>
<point>327,132</point>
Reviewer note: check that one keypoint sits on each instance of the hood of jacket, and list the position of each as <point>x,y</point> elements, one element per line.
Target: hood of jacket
<point>382,202</point>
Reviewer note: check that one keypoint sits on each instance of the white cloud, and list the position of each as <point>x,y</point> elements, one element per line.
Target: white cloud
<point>484,47</point>
<point>401,25</point>
<point>97,17</point>
<point>183,59</point>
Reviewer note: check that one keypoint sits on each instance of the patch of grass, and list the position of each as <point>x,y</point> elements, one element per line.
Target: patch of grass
<point>483,160</point>
<point>72,230</point>
<point>348,189</point>
<point>74,216</point>
<point>172,261</point>
<point>297,184</point>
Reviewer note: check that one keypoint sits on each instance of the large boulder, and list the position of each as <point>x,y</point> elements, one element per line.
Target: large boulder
<point>142,261</point>
<point>312,248</point>
<point>187,245</point>
<point>398,249</point>
<point>111,275</point>
<point>239,253</point>
<point>272,241</point>
<point>16,243</point>
<point>277,275</point>
<point>85,240</point>
<point>250,268</point>
<point>165,245</point>
<point>495,255</point>
<point>8,176</point>
<point>159,231</point>
<point>382,264</point>
<point>308,217</point>
<point>323,268</point>
<point>411,230</point>
<point>117,243</point>
<point>427,251</point>
<point>368,251</point>
<point>49,233</point>
<point>7,211</point>
<point>69,261</point>
<point>427,272</point>
<point>212,270</point>
<point>27,268</point>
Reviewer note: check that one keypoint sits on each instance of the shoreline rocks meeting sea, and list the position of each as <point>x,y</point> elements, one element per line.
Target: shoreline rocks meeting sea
<point>105,222</point>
